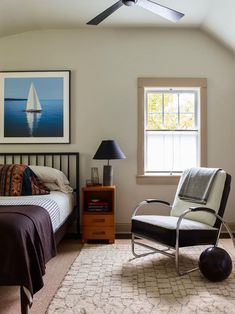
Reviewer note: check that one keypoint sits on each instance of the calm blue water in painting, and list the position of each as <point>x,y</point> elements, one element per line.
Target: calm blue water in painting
<point>47,123</point>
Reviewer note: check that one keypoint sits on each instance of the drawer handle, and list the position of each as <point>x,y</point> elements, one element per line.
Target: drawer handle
<point>99,232</point>
<point>99,220</point>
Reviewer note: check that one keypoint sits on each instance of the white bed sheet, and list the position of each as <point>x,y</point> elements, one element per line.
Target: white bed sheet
<point>58,204</point>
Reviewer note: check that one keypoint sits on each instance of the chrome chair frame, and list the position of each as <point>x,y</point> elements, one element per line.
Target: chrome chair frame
<point>175,254</point>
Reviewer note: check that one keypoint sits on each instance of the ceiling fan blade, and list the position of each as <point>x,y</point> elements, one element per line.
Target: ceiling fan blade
<point>161,10</point>
<point>99,18</point>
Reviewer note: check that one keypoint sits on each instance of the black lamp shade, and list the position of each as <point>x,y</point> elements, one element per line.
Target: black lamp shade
<point>109,149</point>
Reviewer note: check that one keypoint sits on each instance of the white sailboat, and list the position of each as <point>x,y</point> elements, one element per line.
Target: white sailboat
<point>33,102</point>
<point>33,120</point>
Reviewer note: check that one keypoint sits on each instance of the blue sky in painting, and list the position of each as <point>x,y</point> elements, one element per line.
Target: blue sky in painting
<point>46,87</point>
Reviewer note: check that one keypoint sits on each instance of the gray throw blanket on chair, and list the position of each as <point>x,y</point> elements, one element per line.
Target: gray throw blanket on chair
<point>197,184</point>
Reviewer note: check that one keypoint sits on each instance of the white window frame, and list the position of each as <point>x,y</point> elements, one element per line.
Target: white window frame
<point>143,83</point>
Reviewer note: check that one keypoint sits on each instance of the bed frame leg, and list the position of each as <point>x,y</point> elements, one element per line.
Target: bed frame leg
<point>24,302</point>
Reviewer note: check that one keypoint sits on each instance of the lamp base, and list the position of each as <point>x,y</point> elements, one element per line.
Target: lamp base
<point>108,175</point>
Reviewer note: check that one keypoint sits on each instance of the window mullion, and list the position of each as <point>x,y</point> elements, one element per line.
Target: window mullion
<point>163,110</point>
<point>178,107</point>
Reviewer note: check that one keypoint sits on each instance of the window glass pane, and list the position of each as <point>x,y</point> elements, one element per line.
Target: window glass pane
<point>187,102</point>
<point>154,121</point>
<point>171,151</point>
<point>170,102</point>
<point>154,102</point>
<point>170,121</point>
<point>187,121</point>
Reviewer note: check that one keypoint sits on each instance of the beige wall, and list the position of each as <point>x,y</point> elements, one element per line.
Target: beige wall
<point>105,65</point>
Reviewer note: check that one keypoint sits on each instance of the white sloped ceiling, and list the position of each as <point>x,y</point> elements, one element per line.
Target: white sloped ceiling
<point>214,16</point>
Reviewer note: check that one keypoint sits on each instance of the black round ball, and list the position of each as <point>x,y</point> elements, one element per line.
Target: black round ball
<point>215,264</point>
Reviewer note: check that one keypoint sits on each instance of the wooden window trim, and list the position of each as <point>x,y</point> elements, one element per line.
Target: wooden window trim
<point>200,83</point>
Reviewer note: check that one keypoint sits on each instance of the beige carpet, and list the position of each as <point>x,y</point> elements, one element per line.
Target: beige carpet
<point>103,279</point>
<point>56,269</point>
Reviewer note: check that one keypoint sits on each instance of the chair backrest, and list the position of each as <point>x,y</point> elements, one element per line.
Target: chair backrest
<point>217,200</point>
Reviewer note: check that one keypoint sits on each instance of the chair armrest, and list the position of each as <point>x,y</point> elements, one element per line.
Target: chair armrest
<point>197,209</point>
<point>153,200</point>
<point>147,202</point>
<point>204,209</point>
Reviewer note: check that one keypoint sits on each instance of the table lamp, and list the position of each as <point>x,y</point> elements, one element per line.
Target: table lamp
<point>108,149</point>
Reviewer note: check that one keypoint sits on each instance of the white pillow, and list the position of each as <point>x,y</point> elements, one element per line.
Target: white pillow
<point>53,178</point>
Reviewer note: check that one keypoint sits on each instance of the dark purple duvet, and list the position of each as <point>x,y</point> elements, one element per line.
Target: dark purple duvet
<point>26,245</point>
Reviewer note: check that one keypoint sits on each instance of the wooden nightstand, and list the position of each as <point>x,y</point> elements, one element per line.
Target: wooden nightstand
<point>98,210</point>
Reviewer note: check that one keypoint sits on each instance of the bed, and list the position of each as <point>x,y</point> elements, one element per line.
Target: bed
<point>31,226</point>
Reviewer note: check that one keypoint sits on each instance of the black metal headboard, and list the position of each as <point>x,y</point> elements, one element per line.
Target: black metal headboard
<point>67,162</point>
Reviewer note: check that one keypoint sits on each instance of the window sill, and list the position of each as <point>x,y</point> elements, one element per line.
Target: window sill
<point>153,179</point>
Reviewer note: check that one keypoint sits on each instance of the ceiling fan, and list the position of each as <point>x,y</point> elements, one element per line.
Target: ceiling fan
<point>159,9</point>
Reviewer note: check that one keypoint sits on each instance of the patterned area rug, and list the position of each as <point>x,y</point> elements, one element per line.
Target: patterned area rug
<point>106,279</point>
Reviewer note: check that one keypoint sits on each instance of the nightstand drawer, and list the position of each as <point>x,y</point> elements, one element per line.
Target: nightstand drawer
<point>98,233</point>
<point>98,213</point>
<point>98,220</point>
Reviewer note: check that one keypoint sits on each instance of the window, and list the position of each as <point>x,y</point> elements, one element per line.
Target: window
<point>172,127</point>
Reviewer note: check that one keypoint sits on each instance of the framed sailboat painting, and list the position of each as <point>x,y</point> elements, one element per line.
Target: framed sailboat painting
<point>35,107</point>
